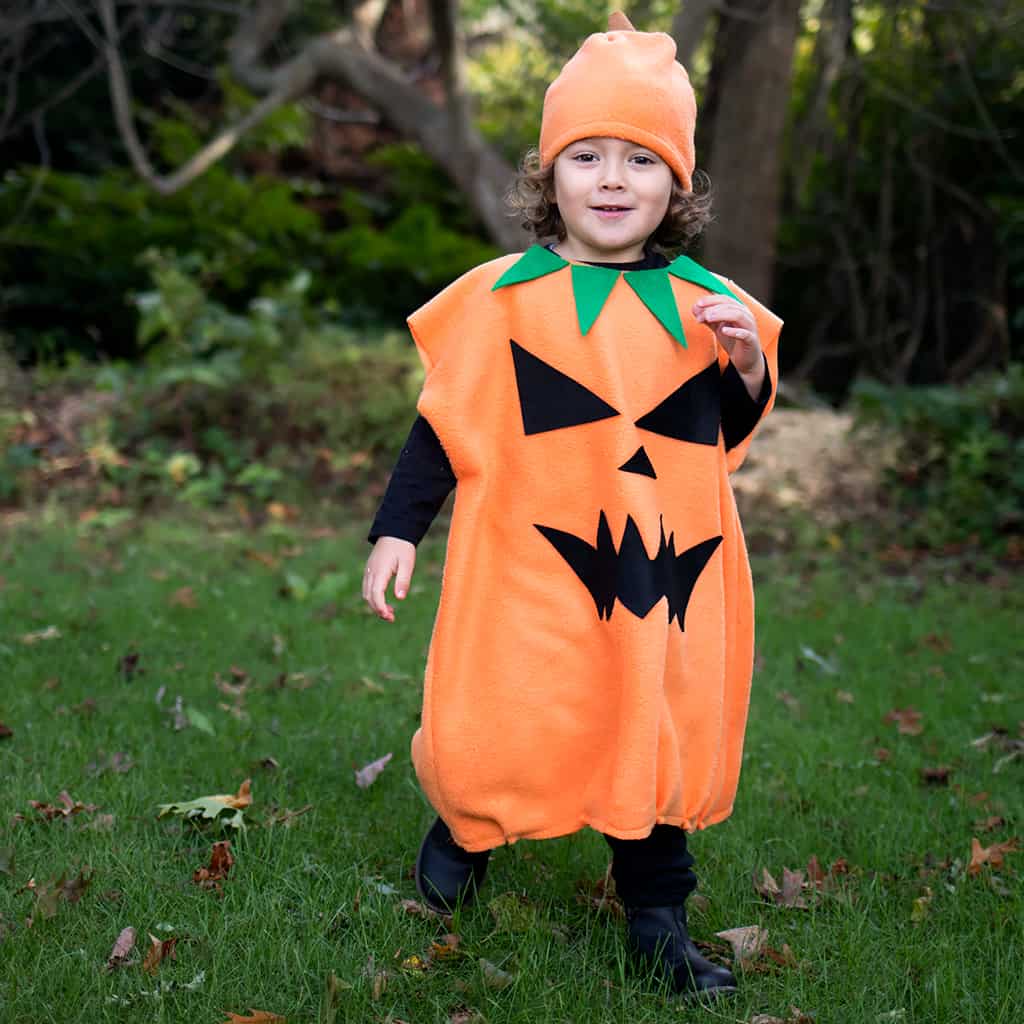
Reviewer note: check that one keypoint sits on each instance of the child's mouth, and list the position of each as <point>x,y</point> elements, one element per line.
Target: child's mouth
<point>611,212</point>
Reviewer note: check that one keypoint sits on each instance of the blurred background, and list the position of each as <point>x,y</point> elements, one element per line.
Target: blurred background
<point>215,217</point>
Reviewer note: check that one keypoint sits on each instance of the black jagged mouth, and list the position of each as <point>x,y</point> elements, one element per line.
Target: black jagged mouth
<point>628,574</point>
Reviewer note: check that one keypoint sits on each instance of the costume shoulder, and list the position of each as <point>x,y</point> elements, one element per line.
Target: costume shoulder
<point>459,312</point>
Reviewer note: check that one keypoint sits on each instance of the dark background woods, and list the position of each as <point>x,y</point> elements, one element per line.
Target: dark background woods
<point>225,211</point>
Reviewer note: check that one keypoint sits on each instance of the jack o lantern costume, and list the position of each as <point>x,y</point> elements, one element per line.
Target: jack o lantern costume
<point>591,658</point>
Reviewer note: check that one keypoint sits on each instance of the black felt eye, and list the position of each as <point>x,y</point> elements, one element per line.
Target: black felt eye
<point>550,399</point>
<point>693,412</point>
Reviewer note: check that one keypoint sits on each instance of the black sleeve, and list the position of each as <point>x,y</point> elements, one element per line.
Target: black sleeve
<point>740,412</point>
<point>420,482</point>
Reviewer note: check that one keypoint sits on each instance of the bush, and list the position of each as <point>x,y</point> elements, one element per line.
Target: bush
<point>958,473</point>
<point>265,406</point>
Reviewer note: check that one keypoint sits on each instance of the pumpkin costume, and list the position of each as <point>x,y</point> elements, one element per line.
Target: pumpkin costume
<point>591,658</point>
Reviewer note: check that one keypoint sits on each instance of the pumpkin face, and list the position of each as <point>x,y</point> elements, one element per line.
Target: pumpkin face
<point>590,662</point>
<point>551,400</point>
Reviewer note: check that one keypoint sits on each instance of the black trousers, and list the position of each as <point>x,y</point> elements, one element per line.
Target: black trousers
<point>655,871</point>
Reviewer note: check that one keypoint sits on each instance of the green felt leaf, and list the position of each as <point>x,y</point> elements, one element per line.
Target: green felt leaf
<point>655,291</point>
<point>591,287</point>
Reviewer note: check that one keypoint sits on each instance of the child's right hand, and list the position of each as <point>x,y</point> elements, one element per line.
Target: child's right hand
<point>390,557</point>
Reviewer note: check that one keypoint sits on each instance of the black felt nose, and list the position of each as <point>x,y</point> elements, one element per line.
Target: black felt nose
<point>638,462</point>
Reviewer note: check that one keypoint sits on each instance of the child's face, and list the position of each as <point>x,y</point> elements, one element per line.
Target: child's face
<point>597,172</point>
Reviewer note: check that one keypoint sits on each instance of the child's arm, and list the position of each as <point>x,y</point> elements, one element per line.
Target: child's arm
<point>419,484</point>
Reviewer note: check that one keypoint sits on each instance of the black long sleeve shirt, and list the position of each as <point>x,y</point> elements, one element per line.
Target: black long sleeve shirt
<point>422,478</point>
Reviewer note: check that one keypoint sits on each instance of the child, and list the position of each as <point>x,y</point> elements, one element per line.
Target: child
<point>591,658</point>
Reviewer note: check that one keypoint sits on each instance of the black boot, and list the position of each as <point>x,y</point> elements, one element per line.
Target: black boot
<point>446,874</point>
<point>659,936</point>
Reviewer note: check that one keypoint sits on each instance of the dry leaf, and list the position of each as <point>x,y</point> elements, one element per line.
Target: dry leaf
<point>183,597</point>
<point>908,720</point>
<point>255,1017</point>
<point>844,696</point>
<point>937,775</point>
<point>159,950</point>
<point>990,824</point>
<point>67,807</point>
<point>50,633</point>
<point>747,943</point>
<point>122,948</point>
<point>209,807</point>
<point>5,732</point>
<point>220,864</point>
<point>366,774</point>
<point>981,855</point>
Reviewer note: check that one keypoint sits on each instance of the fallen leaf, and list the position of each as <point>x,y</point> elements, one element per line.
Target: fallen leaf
<point>128,665</point>
<point>747,942</point>
<point>366,774</point>
<point>122,948</point>
<point>993,855</point>
<point>989,824</point>
<point>827,666</point>
<point>68,807</point>
<point>881,754</point>
<point>183,597</point>
<point>50,633</point>
<point>49,894</point>
<point>5,732</point>
<point>937,775</point>
<point>159,950</point>
<point>494,976</point>
<point>796,1016</point>
<point>792,889</point>
<point>220,864</point>
<point>209,807</point>
<point>844,697</point>
<point>908,720</point>
<point>255,1017</point>
<point>921,905</point>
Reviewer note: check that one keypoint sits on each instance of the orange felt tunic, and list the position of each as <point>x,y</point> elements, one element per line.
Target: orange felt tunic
<point>591,658</point>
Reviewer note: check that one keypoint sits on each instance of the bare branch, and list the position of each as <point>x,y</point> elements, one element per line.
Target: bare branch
<point>294,84</point>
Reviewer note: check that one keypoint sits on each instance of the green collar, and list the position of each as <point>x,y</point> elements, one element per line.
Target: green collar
<point>591,286</point>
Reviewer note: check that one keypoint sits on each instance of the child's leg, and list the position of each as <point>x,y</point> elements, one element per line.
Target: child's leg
<point>655,871</point>
<point>446,874</point>
<point>654,876</point>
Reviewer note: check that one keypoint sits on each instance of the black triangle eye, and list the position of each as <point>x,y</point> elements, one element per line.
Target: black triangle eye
<point>550,399</point>
<point>693,412</point>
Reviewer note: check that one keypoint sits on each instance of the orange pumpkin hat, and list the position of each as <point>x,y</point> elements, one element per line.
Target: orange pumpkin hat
<point>628,85</point>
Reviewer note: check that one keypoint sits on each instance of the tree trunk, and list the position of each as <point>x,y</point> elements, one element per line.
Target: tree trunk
<point>748,100</point>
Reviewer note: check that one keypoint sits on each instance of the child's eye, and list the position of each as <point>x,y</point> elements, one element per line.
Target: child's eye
<point>646,159</point>
<point>581,156</point>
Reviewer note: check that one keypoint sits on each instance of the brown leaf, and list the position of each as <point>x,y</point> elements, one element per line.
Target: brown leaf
<point>67,807</point>
<point>981,855</point>
<point>183,597</point>
<point>768,887</point>
<point>937,775</point>
<point>747,942</point>
<point>159,950</point>
<point>220,864</point>
<point>122,948</point>
<point>792,890</point>
<point>128,664</point>
<point>5,732</point>
<point>990,824</point>
<point>796,1016</point>
<point>366,774</point>
<point>908,720</point>
<point>255,1017</point>
<point>881,754</point>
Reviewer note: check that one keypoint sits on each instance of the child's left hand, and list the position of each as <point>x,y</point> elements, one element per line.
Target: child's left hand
<point>735,330</point>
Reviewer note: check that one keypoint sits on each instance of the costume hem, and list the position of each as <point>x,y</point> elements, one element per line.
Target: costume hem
<point>557,831</point>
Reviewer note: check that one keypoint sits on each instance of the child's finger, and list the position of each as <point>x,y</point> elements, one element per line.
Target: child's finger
<point>403,579</point>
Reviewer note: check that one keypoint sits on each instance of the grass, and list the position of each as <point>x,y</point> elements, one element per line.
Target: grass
<point>331,688</point>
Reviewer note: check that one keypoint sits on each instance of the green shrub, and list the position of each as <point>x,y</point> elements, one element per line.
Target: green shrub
<point>958,473</point>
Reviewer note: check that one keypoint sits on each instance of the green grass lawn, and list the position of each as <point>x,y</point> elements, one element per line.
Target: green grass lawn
<point>314,902</point>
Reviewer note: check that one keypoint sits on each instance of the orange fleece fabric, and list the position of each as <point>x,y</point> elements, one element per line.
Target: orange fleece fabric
<point>591,658</point>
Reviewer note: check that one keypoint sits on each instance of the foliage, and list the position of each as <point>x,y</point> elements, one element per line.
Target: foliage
<point>958,471</point>
<point>256,407</point>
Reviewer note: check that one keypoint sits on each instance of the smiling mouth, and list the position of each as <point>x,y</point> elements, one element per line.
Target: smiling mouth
<point>612,209</point>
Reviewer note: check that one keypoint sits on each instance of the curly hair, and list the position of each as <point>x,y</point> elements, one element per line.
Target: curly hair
<point>532,196</point>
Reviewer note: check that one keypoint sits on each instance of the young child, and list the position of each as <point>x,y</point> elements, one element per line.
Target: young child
<point>591,658</point>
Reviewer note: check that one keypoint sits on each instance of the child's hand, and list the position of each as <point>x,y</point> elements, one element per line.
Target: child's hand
<point>735,330</point>
<point>389,556</point>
